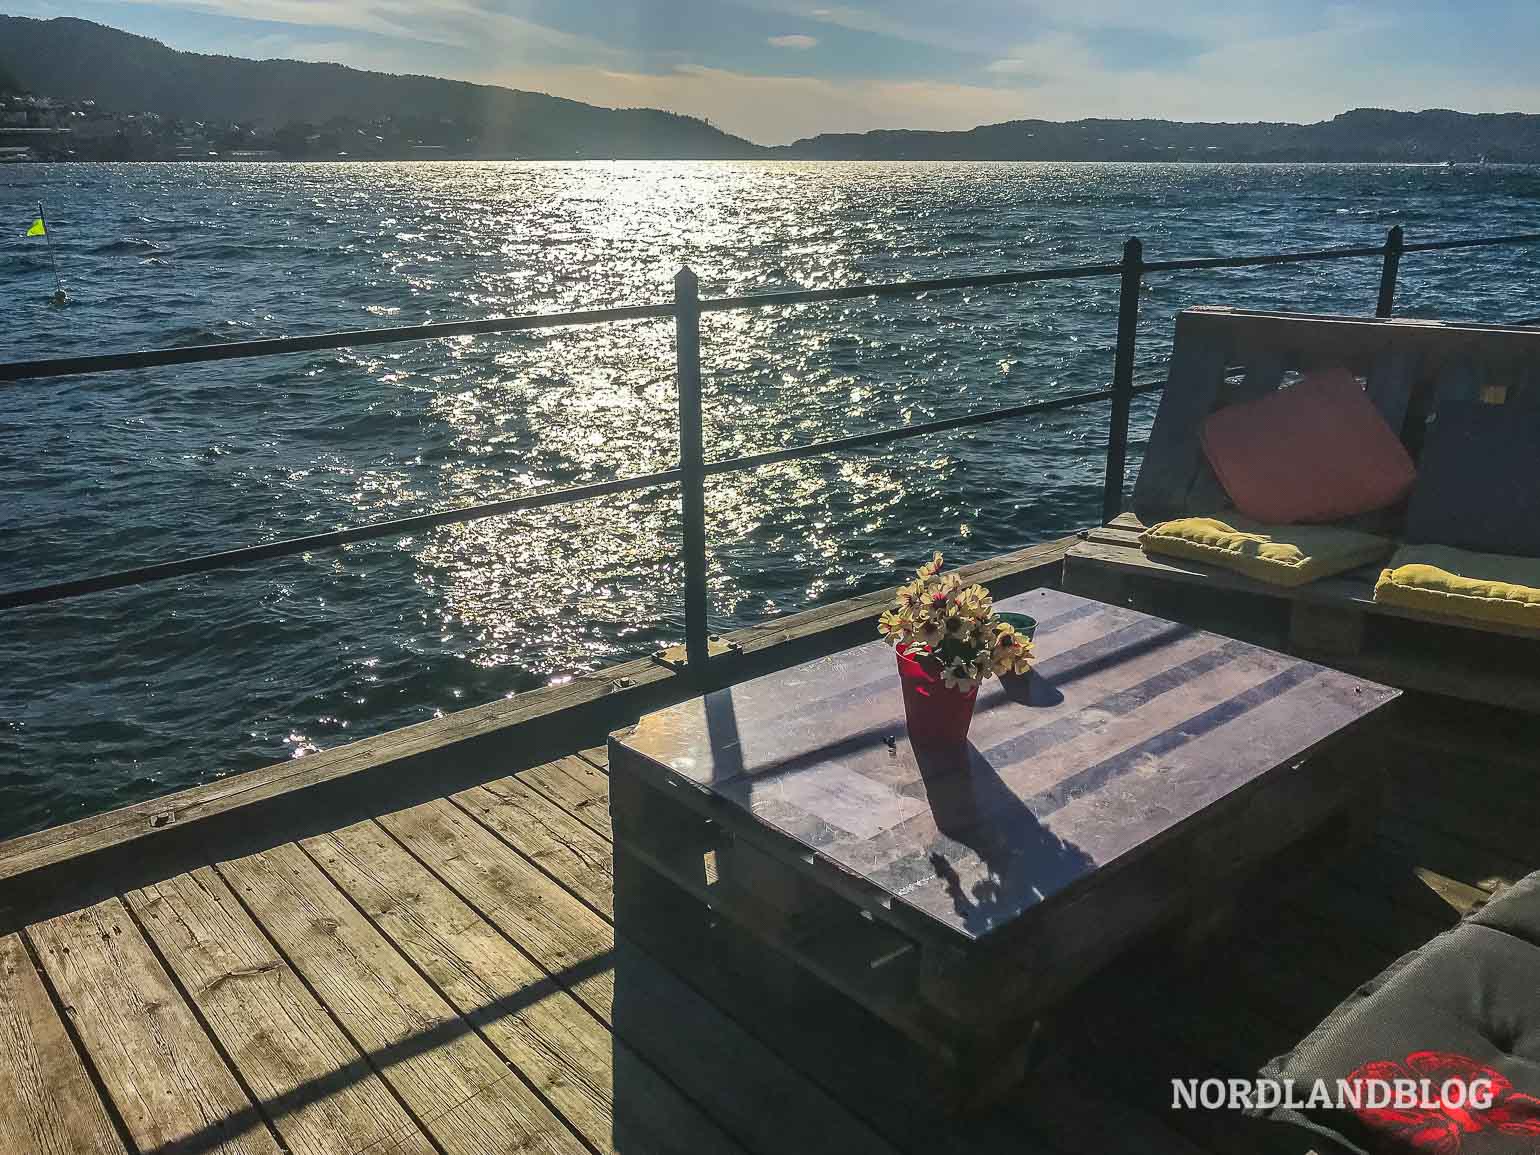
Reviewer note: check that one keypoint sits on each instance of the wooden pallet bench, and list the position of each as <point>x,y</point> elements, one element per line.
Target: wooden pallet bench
<point>1226,356</point>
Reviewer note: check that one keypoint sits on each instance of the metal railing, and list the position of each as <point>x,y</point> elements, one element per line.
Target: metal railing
<point>686,310</point>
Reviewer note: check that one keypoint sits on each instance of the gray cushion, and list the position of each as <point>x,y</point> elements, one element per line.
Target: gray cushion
<point>1465,1005</point>
<point>1478,480</point>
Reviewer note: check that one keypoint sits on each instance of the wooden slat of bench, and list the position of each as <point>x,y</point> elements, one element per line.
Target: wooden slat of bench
<point>1120,550</point>
<point>446,1074</point>
<point>47,1103</point>
<point>1395,354</point>
<point>1476,862</point>
<point>1173,456</point>
<point>170,1086</point>
<point>319,1091</point>
<point>1390,384</point>
<point>1459,379</point>
<point>606,1093</point>
<point>1355,589</point>
<point>1264,371</point>
<point>1505,818</point>
<point>1433,673</point>
<point>1114,550</point>
<point>566,849</point>
<point>1524,393</point>
<point>1340,339</point>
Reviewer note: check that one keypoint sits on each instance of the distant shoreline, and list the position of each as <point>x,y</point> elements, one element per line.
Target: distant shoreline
<point>1462,166</point>
<point>74,85</point>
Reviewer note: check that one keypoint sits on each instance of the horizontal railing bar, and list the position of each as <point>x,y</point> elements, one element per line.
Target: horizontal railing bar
<point>883,436</point>
<point>357,338</point>
<point>399,527</point>
<point>907,288</point>
<point>1472,243</point>
<point>1331,254</point>
<point>363,338</point>
<point>1262,260</point>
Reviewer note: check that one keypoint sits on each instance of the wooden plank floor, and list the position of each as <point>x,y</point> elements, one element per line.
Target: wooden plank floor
<point>450,978</point>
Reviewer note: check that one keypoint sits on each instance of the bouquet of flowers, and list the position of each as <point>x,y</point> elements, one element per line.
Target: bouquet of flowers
<point>937,620</point>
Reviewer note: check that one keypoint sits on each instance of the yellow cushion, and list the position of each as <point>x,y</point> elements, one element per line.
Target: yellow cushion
<point>1281,555</point>
<point>1440,579</point>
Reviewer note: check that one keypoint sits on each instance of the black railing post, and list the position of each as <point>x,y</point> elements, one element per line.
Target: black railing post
<point>692,469</point>
<point>1123,376</point>
<point>1395,240</point>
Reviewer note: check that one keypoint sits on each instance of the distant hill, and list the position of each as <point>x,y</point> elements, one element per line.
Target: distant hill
<point>303,109</point>
<point>77,60</point>
<point>1365,134</point>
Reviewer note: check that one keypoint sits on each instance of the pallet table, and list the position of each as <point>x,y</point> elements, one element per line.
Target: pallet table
<point>1134,782</point>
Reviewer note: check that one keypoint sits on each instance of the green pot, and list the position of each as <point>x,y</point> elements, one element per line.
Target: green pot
<point>1026,624</point>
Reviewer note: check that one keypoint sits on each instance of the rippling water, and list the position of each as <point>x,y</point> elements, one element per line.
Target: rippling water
<point>117,697</point>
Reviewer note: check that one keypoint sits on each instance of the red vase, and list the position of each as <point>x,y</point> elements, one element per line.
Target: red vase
<point>937,716</point>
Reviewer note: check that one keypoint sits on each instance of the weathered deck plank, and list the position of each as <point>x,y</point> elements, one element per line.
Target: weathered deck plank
<point>170,1086</point>
<point>764,1104</point>
<point>552,838</point>
<point>577,786</point>
<point>47,1103</point>
<point>568,940</point>
<point>608,1095</point>
<point>322,1095</point>
<point>451,1081</point>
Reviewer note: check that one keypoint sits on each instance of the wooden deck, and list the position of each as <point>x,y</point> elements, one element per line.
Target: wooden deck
<point>448,978</point>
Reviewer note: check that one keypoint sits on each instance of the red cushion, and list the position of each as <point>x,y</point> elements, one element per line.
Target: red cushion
<point>1315,451</point>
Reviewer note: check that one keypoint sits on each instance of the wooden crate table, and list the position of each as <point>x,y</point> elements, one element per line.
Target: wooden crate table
<point>1133,782</point>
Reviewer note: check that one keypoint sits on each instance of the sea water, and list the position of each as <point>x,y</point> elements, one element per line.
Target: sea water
<point>116,697</point>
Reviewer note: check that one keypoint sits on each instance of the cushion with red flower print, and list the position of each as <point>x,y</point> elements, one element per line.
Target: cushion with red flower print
<point>1440,1054</point>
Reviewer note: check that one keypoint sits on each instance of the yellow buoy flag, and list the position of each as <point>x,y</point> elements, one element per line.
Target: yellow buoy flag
<point>37,229</point>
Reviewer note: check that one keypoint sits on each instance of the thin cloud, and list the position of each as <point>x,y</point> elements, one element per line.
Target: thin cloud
<point>796,40</point>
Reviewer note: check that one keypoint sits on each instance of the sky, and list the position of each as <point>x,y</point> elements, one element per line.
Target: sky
<point>778,70</point>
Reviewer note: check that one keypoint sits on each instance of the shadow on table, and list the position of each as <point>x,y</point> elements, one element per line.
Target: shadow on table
<point>1022,860</point>
<point>1031,689</point>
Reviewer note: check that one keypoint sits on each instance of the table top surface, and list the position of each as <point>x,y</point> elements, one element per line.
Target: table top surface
<point>1128,727</point>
